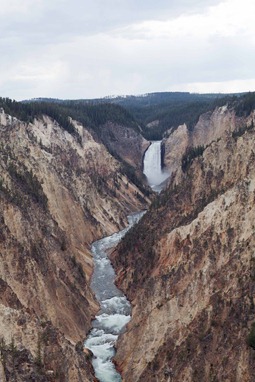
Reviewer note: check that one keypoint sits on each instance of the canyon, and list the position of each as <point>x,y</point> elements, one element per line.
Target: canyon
<point>187,267</point>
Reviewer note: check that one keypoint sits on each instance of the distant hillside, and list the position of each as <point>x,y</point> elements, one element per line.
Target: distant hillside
<point>158,112</point>
<point>153,114</point>
<point>92,115</point>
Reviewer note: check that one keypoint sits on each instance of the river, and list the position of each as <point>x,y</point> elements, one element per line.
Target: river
<point>115,309</point>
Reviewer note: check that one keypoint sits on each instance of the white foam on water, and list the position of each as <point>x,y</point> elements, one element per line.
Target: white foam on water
<point>103,351</point>
<point>103,262</point>
<point>116,304</point>
<point>111,323</point>
<point>105,371</point>
<point>100,338</point>
<point>102,347</point>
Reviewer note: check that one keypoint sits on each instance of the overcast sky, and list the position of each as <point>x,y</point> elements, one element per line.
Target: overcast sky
<point>87,49</point>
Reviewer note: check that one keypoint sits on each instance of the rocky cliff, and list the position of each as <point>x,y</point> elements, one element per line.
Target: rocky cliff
<point>210,127</point>
<point>126,142</point>
<point>58,193</point>
<point>188,269</point>
<point>174,147</point>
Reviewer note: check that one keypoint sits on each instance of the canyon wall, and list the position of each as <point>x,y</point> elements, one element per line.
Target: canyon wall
<point>58,193</point>
<point>126,142</point>
<point>188,270</point>
<point>210,127</point>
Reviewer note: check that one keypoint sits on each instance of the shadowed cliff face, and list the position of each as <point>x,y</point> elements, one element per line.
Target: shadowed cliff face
<point>57,195</point>
<point>188,269</point>
<point>126,142</point>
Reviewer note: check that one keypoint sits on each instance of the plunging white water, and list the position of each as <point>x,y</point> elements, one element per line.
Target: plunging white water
<point>115,309</point>
<point>152,166</point>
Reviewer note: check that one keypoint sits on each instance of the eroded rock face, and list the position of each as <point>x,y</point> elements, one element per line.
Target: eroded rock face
<point>210,127</point>
<point>213,125</point>
<point>175,146</point>
<point>190,273</point>
<point>126,142</point>
<point>39,352</point>
<point>57,195</point>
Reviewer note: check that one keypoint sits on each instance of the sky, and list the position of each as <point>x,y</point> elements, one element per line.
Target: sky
<point>72,49</point>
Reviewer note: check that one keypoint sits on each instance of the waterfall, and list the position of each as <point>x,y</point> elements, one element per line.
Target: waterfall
<point>152,166</point>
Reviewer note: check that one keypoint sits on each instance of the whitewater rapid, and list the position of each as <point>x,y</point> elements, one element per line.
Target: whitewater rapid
<point>115,309</point>
<point>152,167</point>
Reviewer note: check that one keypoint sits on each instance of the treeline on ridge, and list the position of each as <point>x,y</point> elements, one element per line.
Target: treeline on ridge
<point>171,109</point>
<point>93,116</point>
<point>244,105</point>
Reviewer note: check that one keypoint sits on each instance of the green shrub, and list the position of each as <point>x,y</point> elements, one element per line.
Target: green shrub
<point>242,130</point>
<point>251,336</point>
<point>190,154</point>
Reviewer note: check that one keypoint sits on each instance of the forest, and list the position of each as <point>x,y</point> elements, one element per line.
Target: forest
<point>169,109</point>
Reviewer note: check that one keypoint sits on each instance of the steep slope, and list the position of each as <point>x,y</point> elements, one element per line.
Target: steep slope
<point>116,136</point>
<point>58,193</point>
<point>174,147</point>
<point>188,269</point>
<point>210,127</point>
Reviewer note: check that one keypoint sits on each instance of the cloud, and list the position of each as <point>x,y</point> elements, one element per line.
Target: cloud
<point>59,19</point>
<point>83,49</point>
<point>233,86</point>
